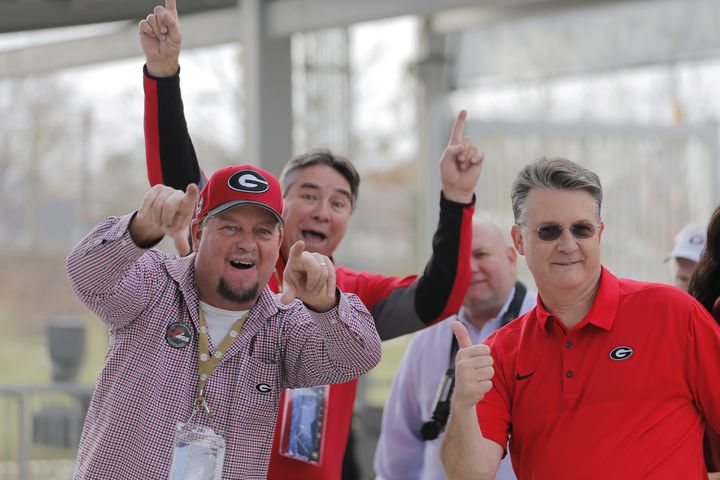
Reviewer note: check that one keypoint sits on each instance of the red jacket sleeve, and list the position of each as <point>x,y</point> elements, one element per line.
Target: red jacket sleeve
<point>402,305</point>
<point>169,151</point>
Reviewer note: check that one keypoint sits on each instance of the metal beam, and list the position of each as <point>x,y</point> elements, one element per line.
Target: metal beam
<point>580,40</point>
<point>289,16</point>
<point>199,30</point>
<point>519,37</point>
<point>284,16</point>
<point>17,16</point>
<point>708,132</point>
<point>474,17</point>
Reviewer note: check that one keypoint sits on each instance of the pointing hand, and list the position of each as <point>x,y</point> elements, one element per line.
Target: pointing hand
<point>165,211</point>
<point>309,277</point>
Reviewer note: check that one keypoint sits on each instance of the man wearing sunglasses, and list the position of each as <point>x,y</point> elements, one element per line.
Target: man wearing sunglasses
<point>604,378</point>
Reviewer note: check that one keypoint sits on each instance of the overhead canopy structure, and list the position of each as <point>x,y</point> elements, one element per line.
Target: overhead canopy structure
<point>283,16</point>
<point>496,38</point>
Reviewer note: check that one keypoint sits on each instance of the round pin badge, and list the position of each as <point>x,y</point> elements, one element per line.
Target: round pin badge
<point>178,334</point>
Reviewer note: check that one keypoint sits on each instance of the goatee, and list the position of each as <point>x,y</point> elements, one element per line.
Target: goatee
<point>226,291</point>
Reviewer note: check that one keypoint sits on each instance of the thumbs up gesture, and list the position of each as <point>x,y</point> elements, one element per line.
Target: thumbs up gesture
<point>473,369</point>
<point>309,277</point>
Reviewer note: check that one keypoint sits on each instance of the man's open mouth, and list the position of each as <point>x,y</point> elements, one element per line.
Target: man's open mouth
<point>241,265</point>
<point>313,236</point>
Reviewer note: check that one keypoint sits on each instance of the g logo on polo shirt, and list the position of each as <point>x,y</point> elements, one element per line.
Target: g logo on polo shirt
<point>621,353</point>
<point>248,181</point>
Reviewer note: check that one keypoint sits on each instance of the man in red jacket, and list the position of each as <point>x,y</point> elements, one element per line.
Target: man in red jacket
<point>320,191</point>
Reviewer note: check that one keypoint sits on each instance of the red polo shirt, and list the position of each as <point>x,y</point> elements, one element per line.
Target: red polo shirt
<point>620,395</point>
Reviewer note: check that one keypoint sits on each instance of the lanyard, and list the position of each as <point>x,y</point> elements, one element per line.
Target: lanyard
<point>207,362</point>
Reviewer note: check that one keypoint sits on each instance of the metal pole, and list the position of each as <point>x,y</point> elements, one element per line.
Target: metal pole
<point>23,444</point>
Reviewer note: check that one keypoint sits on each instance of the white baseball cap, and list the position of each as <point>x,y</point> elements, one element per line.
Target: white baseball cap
<point>689,242</point>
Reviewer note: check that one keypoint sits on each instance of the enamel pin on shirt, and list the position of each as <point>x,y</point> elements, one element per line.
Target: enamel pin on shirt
<point>178,334</point>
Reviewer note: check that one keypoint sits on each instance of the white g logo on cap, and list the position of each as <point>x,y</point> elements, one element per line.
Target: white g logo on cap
<point>248,181</point>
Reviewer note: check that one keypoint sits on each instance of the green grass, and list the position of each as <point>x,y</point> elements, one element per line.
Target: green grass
<point>377,384</point>
<point>24,356</point>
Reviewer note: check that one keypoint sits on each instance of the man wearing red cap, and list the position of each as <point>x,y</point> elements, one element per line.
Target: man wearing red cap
<point>200,348</point>
<point>320,191</point>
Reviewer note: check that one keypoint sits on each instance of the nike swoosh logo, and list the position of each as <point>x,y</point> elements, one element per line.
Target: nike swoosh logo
<point>523,377</point>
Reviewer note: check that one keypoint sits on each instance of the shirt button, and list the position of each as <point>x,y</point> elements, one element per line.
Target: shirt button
<point>569,374</point>
<point>568,344</point>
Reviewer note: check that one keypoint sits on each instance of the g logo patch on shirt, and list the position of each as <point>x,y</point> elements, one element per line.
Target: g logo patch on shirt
<point>263,387</point>
<point>621,353</point>
<point>178,335</point>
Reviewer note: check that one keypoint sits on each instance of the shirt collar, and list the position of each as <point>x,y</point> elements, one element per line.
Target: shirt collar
<point>603,310</point>
<point>183,272</point>
<point>492,324</point>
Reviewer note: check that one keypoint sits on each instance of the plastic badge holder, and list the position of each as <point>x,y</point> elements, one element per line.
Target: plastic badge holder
<point>304,418</point>
<point>199,453</point>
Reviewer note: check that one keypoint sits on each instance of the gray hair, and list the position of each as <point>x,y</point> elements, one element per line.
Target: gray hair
<point>322,156</point>
<point>553,173</point>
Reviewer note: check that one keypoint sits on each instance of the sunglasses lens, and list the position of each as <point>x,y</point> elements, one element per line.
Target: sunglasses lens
<point>579,230</point>
<point>549,232</point>
<point>583,230</point>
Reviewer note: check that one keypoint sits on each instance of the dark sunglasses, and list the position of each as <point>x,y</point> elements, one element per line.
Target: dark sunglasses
<point>579,230</point>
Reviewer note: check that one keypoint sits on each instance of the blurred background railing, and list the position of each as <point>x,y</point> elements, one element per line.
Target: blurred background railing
<point>40,431</point>
<point>41,424</point>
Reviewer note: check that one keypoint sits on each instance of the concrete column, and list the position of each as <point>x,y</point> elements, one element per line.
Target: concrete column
<point>268,92</point>
<point>434,122</point>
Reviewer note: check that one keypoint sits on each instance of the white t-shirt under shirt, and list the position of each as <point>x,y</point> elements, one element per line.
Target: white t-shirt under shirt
<point>219,321</point>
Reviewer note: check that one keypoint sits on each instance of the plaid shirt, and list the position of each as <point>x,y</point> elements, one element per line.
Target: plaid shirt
<point>146,386</point>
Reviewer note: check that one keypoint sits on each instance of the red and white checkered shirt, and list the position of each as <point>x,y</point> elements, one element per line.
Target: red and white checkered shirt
<point>146,385</point>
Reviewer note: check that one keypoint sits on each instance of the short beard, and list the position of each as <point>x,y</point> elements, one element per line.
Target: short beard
<point>226,291</point>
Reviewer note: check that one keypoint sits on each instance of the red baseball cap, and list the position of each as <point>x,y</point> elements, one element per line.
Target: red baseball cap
<point>240,185</point>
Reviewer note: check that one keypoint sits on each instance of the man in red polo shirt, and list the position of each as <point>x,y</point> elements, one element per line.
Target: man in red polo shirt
<point>320,192</point>
<point>605,378</point>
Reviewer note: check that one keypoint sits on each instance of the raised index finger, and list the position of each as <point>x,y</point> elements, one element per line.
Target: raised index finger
<point>171,6</point>
<point>461,334</point>
<point>296,251</point>
<point>457,130</point>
